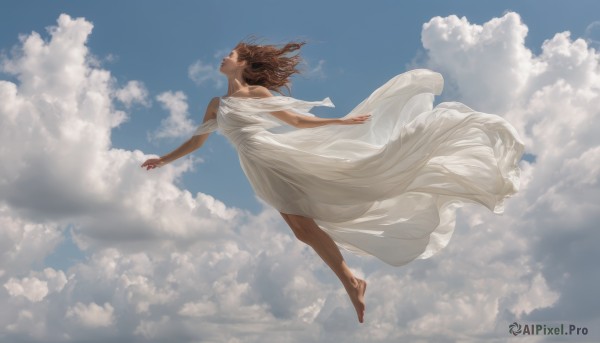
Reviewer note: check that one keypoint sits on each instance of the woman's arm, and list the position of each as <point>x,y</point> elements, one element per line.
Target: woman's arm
<point>301,121</point>
<point>188,146</point>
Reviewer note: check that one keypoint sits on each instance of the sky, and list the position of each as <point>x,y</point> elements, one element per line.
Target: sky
<point>95,248</point>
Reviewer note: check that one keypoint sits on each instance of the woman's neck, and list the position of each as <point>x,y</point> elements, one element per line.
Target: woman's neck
<point>235,84</point>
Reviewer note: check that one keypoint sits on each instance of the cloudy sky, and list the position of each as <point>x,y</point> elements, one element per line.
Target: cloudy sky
<point>94,248</point>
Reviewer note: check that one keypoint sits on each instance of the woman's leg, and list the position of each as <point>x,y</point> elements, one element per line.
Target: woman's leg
<point>307,231</point>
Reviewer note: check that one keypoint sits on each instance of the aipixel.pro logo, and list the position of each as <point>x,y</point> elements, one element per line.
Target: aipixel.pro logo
<point>516,329</point>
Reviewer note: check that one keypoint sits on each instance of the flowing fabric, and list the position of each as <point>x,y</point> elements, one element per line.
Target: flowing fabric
<point>388,187</point>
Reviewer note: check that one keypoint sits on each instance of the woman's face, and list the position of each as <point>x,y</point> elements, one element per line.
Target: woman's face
<point>230,63</point>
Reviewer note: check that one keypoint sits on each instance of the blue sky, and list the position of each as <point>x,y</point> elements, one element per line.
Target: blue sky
<point>544,85</point>
<point>362,43</point>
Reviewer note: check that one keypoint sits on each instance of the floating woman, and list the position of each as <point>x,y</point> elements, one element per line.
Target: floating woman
<point>384,180</point>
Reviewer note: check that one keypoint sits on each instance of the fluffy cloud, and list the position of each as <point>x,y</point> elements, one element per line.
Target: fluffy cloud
<point>156,256</point>
<point>592,34</point>
<point>92,315</point>
<point>62,108</point>
<point>55,125</point>
<point>36,287</point>
<point>134,92</point>
<point>24,243</point>
<point>162,264</point>
<point>317,71</point>
<point>493,54</point>
<point>553,100</point>
<point>201,73</point>
<point>178,123</point>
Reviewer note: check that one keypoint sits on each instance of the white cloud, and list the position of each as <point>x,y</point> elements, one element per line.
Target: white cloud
<point>201,73</point>
<point>68,169</point>
<point>316,71</point>
<point>178,123</point>
<point>494,54</point>
<point>36,287</point>
<point>92,315</point>
<point>553,100</point>
<point>592,34</point>
<point>198,309</point>
<point>24,243</point>
<point>134,92</point>
<point>151,248</point>
<point>33,288</point>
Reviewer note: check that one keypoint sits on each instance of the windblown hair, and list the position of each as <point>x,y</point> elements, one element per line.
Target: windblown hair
<point>268,65</point>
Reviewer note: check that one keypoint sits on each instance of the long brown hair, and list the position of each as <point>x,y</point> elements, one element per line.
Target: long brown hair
<point>268,65</point>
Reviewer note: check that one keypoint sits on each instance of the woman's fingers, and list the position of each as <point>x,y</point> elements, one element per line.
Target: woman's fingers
<point>150,163</point>
<point>359,119</point>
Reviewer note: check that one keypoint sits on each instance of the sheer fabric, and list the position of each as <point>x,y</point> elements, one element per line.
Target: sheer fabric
<point>389,187</point>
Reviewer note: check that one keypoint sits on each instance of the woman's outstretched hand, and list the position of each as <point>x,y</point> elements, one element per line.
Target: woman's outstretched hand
<point>153,163</point>
<point>360,119</point>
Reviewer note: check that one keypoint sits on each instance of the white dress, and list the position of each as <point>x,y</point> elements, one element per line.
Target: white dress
<point>388,187</point>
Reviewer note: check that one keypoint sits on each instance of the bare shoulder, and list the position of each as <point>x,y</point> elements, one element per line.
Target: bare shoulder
<point>259,92</point>
<point>214,102</point>
<point>212,107</point>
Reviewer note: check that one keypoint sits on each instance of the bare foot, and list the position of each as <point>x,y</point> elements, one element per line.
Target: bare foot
<point>357,296</point>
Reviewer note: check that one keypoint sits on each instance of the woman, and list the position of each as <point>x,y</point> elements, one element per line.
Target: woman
<point>386,185</point>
